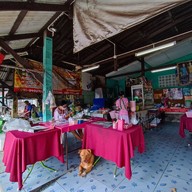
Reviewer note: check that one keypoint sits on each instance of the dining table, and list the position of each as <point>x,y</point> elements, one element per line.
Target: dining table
<point>24,148</point>
<point>114,145</point>
<point>185,123</point>
<point>65,127</point>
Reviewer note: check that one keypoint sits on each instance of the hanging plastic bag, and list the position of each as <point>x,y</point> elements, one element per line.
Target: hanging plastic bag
<point>50,100</point>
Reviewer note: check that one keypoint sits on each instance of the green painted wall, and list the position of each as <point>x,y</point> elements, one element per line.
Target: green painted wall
<point>112,87</point>
<point>121,84</point>
<point>153,77</point>
<point>115,86</point>
<point>88,97</point>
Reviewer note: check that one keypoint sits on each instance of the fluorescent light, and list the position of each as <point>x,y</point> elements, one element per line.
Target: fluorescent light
<point>164,69</point>
<point>91,68</point>
<point>155,49</point>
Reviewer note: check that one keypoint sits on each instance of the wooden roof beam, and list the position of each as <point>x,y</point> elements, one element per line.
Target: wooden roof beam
<point>31,6</point>
<point>21,36</point>
<point>18,21</point>
<point>19,59</point>
<point>40,33</point>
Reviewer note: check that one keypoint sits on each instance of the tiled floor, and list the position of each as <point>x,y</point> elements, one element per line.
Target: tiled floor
<point>166,164</point>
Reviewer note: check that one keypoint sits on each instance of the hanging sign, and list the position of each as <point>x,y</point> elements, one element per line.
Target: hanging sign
<point>64,81</point>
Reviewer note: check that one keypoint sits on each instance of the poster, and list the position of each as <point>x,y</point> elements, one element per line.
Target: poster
<point>173,93</point>
<point>184,73</point>
<point>64,81</point>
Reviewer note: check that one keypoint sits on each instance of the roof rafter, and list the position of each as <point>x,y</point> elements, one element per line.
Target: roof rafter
<point>31,6</point>
<point>55,16</point>
<point>18,21</point>
<point>19,59</point>
<point>20,36</point>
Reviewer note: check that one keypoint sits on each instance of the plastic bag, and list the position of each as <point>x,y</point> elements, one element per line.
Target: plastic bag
<point>50,100</point>
<point>16,124</point>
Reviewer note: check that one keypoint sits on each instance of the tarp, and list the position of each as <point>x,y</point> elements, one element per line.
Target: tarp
<point>64,81</point>
<point>96,20</point>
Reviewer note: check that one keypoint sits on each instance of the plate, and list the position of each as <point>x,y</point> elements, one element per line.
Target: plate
<point>38,127</point>
<point>103,123</point>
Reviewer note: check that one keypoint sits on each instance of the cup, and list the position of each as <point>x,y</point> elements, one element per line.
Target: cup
<point>114,125</point>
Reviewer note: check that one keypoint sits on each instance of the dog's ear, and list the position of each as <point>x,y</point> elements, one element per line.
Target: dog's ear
<point>89,150</point>
<point>79,151</point>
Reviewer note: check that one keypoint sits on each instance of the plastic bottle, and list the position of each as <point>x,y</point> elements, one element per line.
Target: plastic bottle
<point>114,125</point>
<point>121,123</point>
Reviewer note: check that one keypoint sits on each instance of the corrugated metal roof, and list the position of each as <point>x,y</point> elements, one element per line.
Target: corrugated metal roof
<point>157,59</point>
<point>52,1</point>
<point>19,44</point>
<point>30,21</point>
<point>7,19</point>
<point>33,22</point>
<point>22,22</point>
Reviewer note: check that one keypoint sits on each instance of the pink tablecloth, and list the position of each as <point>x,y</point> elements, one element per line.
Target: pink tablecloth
<point>22,149</point>
<point>65,127</point>
<point>113,145</point>
<point>185,123</point>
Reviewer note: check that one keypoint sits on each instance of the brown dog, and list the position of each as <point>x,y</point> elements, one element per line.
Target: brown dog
<point>87,161</point>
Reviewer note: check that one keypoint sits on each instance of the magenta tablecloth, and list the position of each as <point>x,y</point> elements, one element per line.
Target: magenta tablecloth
<point>116,146</point>
<point>67,128</point>
<point>185,123</point>
<point>22,149</point>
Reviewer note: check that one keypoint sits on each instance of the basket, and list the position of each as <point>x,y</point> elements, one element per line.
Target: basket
<point>189,114</point>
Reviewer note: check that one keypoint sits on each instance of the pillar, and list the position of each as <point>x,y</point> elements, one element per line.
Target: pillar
<point>47,80</point>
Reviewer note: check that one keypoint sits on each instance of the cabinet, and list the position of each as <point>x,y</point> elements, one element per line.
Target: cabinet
<point>143,95</point>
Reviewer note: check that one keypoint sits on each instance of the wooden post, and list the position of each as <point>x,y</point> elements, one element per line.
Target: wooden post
<point>142,67</point>
<point>14,112</point>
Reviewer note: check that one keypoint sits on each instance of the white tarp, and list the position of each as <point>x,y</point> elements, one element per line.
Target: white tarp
<point>95,20</point>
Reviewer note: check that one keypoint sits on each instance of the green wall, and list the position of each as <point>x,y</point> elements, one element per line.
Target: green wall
<point>88,97</point>
<point>115,86</point>
<point>153,77</point>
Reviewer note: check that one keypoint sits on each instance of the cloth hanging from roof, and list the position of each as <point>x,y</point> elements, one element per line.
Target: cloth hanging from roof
<point>96,20</point>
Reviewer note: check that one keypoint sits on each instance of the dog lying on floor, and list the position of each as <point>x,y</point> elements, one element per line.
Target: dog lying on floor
<point>87,161</point>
